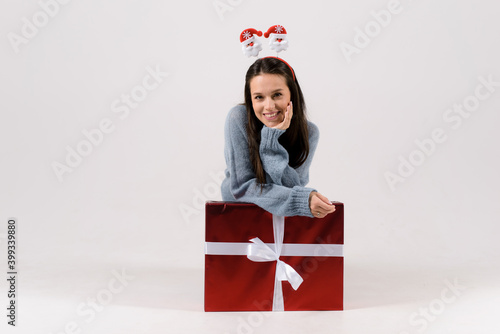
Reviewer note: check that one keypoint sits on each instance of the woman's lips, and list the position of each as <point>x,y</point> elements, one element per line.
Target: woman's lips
<point>270,116</point>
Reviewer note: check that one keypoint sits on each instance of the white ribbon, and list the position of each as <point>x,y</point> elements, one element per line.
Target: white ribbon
<point>258,251</point>
<point>241,248</point>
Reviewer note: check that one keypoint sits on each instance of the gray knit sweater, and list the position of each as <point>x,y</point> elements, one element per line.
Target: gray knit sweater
<point>284,193</point>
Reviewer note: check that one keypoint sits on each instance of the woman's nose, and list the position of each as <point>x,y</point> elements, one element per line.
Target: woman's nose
<point>270,104</point>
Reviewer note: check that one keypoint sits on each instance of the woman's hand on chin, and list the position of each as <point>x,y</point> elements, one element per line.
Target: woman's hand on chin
<point>288,118</point>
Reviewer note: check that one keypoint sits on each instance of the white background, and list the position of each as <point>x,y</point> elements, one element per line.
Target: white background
<point>134,203</point>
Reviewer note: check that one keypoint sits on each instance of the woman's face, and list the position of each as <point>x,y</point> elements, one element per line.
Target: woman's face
<point>270,97</point>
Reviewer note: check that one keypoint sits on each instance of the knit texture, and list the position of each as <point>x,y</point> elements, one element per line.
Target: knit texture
<point>284,193</point>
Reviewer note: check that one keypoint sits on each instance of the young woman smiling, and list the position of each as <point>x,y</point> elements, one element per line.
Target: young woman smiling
<point>269,145</point>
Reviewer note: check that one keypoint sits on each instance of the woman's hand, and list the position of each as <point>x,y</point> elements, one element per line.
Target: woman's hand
<point>320,205</point>
<point>288,118</point>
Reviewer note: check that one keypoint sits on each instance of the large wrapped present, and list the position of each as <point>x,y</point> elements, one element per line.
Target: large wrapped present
<point>256,261</point>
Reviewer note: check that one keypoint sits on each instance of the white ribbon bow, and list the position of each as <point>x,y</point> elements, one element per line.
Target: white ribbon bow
<point>258,251</point>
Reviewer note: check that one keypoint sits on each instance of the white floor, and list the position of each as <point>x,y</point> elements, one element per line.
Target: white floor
<point>379,298</point>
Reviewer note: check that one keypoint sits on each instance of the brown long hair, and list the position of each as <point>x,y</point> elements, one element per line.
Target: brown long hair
<point>296,138</point>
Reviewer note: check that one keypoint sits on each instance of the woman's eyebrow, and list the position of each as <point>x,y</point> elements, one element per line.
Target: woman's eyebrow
<point>274,91</point>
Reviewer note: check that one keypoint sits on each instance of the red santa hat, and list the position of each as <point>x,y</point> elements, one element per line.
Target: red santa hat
<point>248,34</point>
<point>278,30</point>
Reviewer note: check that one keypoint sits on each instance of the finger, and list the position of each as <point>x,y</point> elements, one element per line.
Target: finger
<point>286,121</point>
<point>318,214</point>
<point>332,209</point>
<point>284,124</point>
<point>326,206</point>
<point>324,199</point>
<point>324,209</point>
<point>319,205</point>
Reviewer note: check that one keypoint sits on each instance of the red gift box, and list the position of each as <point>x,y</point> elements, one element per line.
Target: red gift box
<point>256,261</point>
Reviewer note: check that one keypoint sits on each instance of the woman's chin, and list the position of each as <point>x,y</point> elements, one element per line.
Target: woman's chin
<point>272,124</point>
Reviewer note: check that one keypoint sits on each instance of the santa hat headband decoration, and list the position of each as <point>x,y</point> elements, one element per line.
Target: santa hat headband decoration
<point>278,42</point>
<point>249,43</point>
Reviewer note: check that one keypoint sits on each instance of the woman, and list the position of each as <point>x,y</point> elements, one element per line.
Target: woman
<point>269,145</point>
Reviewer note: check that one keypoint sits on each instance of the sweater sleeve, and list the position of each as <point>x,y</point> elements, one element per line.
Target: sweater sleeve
<point>275,158</point>
<point>243,186</point>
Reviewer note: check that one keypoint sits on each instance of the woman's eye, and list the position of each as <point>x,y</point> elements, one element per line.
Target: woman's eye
<point>277,95</point>
<point>258,97</point>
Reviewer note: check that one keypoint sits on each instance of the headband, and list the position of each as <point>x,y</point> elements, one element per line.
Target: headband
<point>290,67</point>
